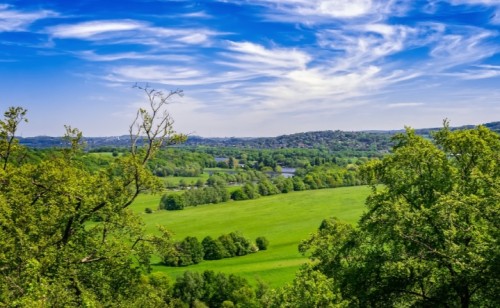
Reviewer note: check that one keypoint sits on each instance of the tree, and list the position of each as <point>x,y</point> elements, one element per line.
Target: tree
<point>213,249</point>
<point>430,235</point>
<point>192,248</point>
<point>67,235</point>
<point>172,202</point>
<point>13,117</point>
<point>243,245</point>
<point>310,288</point>
<point>213,289</point>
<point>232,163</point>
<point>238,194</point>
<point>229,246</point>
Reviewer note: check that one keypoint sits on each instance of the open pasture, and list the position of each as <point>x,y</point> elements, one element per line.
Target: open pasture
<point>283,219</point>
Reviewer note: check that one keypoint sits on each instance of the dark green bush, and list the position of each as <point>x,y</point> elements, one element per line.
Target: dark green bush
<point>262,243</point>
<point>172,202</point>
<point>213,248</point>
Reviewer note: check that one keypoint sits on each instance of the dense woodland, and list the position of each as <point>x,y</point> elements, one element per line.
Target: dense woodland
<point>335,141</point>
<point>429,236</point>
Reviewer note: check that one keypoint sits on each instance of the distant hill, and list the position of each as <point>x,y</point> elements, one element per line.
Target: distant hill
<point>333,140</point>
<point>92,142</point>
<point>378,141</point>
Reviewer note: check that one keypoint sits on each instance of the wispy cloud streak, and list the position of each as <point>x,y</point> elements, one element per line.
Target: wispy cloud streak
<point>13,20</point>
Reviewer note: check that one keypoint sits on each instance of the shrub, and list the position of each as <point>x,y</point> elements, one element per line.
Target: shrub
<point>238,194</point>
<point>228,244</point>
<point>148,210</point>
<point>242,244</point>
<point>262,243</point>
<point>172,202</point>
<point>192,249</point>
<point>213,248</point>
<point>187,252</point>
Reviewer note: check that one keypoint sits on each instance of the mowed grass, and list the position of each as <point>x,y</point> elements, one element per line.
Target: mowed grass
<point>283,219</point>
<point>190,180</point>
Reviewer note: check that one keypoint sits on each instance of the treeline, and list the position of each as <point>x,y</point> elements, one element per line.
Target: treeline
<point>210,289</point>
<point>335,141</point>
<point>176,162</point>
<point>191,162</point>
<point>254,184</point>
<point>191,251</point>
<point>273,159</point>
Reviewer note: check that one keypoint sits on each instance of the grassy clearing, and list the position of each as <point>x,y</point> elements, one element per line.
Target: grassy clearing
<point>284,220</point>
<point>190,180</point>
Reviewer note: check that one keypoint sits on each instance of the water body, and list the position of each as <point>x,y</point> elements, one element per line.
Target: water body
<point>287,172</point>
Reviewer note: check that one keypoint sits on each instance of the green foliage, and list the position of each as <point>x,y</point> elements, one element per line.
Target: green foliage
<point>243,245</point>
<point>213,248</point>
<point>229,246</point>
<point>262,243</point>
<point>172,202</point>
<point>310,288</point>
<point>239,195</point>
<point>214,290</point>
<point>284,185</point>
<point>187,252</point>
<point>9,145</point>
<point>430,236</point>
<point>54,252</point>
<point>190,251</point>
<point>250,190</point>
<point>178,162</point>
<point>211,194</point>
<point>286,219</point>
<point>267,188</point>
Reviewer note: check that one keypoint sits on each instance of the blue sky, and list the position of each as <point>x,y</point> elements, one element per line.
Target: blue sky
<point>252,67</point>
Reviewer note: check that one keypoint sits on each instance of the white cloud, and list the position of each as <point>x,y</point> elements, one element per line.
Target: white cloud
<point>194,38</point>
<point>327,8</point>
<point>91,29</point>
<point>199,14</point>
<point>12,20</point>
<point>404,105</point>
<point>466,45</point>
<point>363,45</point>
<point>91,55</point>
<point>475,2</point>
<point>253,55</point>
<point>131,31</point>
<point>478,72</point>
<point>244,61</point>
<point>327,11</point>
<point>334,8</point>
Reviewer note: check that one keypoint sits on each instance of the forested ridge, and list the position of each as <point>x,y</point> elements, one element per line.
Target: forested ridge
<point>375,141</point>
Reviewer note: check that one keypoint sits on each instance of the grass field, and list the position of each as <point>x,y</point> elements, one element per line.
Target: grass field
<point>190,180</point>
<point>284,220</point>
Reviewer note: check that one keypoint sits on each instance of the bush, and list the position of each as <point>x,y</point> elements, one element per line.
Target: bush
<point>228,244</point>
<point>187,252</point>
<point>148,210</point>
<point>262,243</point>
<point>242,244</point>
<point>192,249</point>
<point>213,248</point>
<point>238,195</point>
<point>172,202</point>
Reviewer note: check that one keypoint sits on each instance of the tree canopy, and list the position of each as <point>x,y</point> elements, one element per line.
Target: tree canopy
<point>67,236</point>
<point>430,233</point>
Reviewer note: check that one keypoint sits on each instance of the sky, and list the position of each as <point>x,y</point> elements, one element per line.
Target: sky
<point>251,67</point>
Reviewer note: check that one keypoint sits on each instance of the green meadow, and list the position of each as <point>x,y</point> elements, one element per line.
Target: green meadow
<point>283,219</point>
